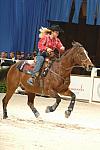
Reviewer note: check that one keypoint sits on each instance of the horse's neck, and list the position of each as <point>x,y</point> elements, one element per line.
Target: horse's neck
<point>67,61</point>
<point>64,66</point>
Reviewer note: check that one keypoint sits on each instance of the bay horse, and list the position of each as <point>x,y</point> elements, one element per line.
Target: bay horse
<point>55,83</point>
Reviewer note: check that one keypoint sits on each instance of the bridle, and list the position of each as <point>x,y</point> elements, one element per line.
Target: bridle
<point>84,60</point>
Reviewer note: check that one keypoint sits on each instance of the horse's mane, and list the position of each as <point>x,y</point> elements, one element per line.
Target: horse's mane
<point>74,45</point>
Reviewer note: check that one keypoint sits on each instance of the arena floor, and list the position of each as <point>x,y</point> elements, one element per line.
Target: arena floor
<point>22,131</point>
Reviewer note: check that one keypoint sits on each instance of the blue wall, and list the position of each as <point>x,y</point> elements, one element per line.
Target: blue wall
<point>20,20</point>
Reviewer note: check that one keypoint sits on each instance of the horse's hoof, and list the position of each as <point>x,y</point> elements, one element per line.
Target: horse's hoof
<point>37,114</point>
<point>48,109</point>
<point>67,113</point>
<point>5,117</point>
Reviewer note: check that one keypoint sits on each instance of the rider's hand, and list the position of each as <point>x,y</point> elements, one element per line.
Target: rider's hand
<point>49,50</point>
<point>62,48</point>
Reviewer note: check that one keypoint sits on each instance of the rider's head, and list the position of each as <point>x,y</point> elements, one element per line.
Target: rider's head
<point>55,30</point>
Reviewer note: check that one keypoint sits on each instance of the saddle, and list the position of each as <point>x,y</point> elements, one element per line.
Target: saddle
<point>28,68</point>
<point>25,67</point>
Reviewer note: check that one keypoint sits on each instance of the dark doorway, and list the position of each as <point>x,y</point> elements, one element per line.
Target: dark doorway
<point>87,35</point>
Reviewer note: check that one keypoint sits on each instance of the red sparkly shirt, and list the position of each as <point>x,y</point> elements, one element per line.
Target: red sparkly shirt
<point>47,42</point>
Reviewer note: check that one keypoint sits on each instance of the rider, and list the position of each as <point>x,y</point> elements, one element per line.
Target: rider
<point>46,45</point>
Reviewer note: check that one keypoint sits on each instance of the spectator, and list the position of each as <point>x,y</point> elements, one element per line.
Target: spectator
<point>3,57</point>
<point>12,56</point>
<point>28,56</point>
<point>18,55</point>
<point>4,61</point>
<point>22,56</point>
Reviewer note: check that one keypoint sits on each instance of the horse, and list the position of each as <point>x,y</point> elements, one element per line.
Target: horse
<point>55,84</point>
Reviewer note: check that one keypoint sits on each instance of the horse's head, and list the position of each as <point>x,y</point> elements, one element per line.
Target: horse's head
<point>81,56</point>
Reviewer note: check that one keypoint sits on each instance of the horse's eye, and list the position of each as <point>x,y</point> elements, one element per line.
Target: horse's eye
<point>81,53</point>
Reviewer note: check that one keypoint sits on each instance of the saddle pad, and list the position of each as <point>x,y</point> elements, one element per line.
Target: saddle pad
<point>27,67</point>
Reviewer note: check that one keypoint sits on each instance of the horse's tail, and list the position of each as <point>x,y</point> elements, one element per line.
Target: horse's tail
<point>20,64</point>
<point>3,73</point>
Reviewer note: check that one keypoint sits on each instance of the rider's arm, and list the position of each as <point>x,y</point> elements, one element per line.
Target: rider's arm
<point>60,46</point>
<point>42,44</point>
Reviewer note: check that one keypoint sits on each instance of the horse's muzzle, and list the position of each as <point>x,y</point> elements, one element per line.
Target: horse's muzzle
<point>89,68</point>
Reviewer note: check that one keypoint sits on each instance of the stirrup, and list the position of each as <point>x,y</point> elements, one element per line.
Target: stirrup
<point>36,75</point>
<point>30,81</point>
<point>45,72</point>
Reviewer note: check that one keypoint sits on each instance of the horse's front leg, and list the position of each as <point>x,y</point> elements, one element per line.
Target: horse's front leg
<point>72,102</point>
<point>31,97</point>
<point>55,105</point>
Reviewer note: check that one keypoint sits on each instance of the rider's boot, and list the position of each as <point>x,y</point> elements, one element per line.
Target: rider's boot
<point>47,69</point>
<point>34,76</point>
<point>45,72</point>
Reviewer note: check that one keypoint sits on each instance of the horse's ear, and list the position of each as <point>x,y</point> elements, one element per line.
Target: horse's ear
<point>76,44</point>
<point>73,43</point>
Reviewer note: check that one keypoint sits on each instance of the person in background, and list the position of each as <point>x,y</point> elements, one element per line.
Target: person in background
<point>22,56</point>
<point>46,45</point>
<point>28,56</point>
<point>5,62</point>
<point>3,55</point>
<point>12,60</point>
<point>3,58</point>
<point>12,56</point>
<point>18,55</point>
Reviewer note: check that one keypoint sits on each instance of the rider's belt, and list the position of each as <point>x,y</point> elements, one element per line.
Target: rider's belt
<point>44,54</point>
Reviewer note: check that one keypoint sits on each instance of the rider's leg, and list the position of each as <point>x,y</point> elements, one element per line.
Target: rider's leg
<point>35,73</point>
<point>39,63</point>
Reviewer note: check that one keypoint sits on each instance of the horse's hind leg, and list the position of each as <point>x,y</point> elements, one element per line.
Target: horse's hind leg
<point>11,87</point>
<point>5,102</point>
<point>55,105</point>
<point>31,97</point>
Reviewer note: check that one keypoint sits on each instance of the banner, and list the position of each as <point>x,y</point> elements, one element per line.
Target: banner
<point>81,86</point>
<point>96,90</point>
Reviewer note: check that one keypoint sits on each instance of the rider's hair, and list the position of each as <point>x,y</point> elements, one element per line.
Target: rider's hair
<point>44,31</point>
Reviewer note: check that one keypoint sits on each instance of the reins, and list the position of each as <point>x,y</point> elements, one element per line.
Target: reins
<point>59,73</point>
<point>69,68</point>
<point>56,74</point>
